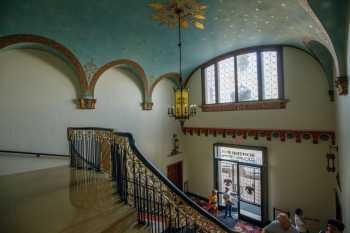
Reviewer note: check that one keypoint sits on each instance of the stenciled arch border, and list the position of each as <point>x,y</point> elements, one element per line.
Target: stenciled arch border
<point>86,88</point>
<point>324,38</point>
<point>69,57</point>
<point>136,70</point>
<point>221,56</point>
<point>172,76</point>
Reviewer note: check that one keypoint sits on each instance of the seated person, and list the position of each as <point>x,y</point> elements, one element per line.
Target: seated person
<point>213,202</point>
<point>334,226</point>
<point>281,225</point>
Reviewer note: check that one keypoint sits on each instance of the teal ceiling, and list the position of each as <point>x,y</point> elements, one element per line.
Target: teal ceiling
<point>332,15</point>
<point>105,30</point>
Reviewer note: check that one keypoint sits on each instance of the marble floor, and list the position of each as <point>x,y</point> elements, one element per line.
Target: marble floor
<point>61,200</point>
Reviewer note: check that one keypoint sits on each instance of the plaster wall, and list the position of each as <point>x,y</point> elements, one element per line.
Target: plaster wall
<point>343,134</point>
<point>297,175</point>
<point>37,93</point>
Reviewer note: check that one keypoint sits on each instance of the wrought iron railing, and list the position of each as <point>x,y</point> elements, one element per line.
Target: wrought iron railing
<point>159,203</point>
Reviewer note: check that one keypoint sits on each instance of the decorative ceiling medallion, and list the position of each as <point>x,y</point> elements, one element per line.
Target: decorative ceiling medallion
<point>190,11</point>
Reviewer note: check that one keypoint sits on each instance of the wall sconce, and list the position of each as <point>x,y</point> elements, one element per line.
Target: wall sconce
<point>331,158</point>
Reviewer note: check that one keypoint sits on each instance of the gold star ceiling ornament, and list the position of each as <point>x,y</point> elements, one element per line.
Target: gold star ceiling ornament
<point>189,11</point>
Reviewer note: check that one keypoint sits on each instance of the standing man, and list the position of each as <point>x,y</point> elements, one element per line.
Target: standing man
<point>281,225</point>
<point>228,202</point>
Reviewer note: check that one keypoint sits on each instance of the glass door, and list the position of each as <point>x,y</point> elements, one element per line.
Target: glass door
<point>243,171</point>
<point>250,194</point>
<point>227,179</point>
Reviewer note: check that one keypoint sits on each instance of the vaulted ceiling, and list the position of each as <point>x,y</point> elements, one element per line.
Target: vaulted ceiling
<point>106,30</point>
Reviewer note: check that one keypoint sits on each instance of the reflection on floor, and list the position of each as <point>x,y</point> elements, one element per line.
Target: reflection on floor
<point>62,200</point>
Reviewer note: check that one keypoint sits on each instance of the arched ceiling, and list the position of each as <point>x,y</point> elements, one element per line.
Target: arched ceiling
<point>106,30</point>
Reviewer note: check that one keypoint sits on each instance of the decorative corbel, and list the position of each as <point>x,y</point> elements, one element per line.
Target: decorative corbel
<point>147,105</point>
<point>85,103</point>
<point>341,84</point>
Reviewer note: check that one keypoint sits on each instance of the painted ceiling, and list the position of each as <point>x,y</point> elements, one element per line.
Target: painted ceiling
<point>106,30</point>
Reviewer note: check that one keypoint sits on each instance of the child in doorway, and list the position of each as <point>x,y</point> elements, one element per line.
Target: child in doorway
<point>228,202</point>
<point>213,203</point>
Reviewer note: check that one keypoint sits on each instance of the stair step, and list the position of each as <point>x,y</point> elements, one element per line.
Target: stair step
<point>102,221</point>
<point>138,228</point>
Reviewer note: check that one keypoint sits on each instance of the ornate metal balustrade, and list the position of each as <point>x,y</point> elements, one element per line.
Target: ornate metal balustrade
<point>159,203</point>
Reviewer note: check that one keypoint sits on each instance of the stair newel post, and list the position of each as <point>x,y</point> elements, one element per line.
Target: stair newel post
<point>147,198</point>
<point>134,181</point>
<point>161,205</point>
<point>93,149</point>
<point>177,218</point>
<point>169,222</point>
<point>153,202</point>
<point>70,140</point>
<point>125,175</point>
<point>119,168</point>
<point>139,193</point>
<point>158,212</point>
<point>74,145</point>
<point>143,196</point>
<point>89,149</point>
<point>82,151</point>
<point>113,161</point>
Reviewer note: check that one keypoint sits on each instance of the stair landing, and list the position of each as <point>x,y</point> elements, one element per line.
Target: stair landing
<point>62,200</point>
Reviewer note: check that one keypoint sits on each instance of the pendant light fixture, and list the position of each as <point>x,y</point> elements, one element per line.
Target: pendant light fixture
<point>179,13</point>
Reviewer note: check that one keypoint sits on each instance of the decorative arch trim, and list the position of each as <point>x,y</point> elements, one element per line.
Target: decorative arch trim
<point>222,56</point>
<point>173,76</point>
<point>324,38</point>
<point>9,40</point>
<point>122,62</point>
<point>324,57</point>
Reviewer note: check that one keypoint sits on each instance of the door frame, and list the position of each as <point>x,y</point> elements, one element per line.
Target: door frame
<point>264,177</point>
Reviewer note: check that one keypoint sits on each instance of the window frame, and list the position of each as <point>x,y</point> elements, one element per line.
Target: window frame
<point>261,103</point>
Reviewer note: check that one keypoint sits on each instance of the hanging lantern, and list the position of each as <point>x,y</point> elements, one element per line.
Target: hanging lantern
<point>182,109</point>
<point>180,13</point>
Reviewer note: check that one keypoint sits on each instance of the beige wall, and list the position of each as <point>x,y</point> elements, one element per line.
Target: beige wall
<point>36,101</point>
<point>296,172</point>
<point>343,134</point>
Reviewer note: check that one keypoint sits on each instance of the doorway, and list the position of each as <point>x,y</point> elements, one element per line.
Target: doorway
<point>174,173</point>
<point>243,171</point>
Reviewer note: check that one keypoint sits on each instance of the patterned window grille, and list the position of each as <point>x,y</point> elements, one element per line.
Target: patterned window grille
<point>226,73</point>
<point>269,75</point>
<point>244,77</point>
<point>247,73</point>
<point>210,90</point>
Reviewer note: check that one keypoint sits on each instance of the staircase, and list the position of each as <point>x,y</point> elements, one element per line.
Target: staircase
<point>110,187</point>
<point>64,200</point>
<point>160,206</point>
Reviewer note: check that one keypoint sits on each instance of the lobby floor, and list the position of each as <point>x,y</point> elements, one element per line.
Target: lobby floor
<point>60,200</point>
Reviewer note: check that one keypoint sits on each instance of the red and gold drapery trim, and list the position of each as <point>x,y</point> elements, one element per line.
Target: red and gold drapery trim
<point>282,134</point>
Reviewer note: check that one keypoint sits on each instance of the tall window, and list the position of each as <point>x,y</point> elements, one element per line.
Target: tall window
<point>249,76</point>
